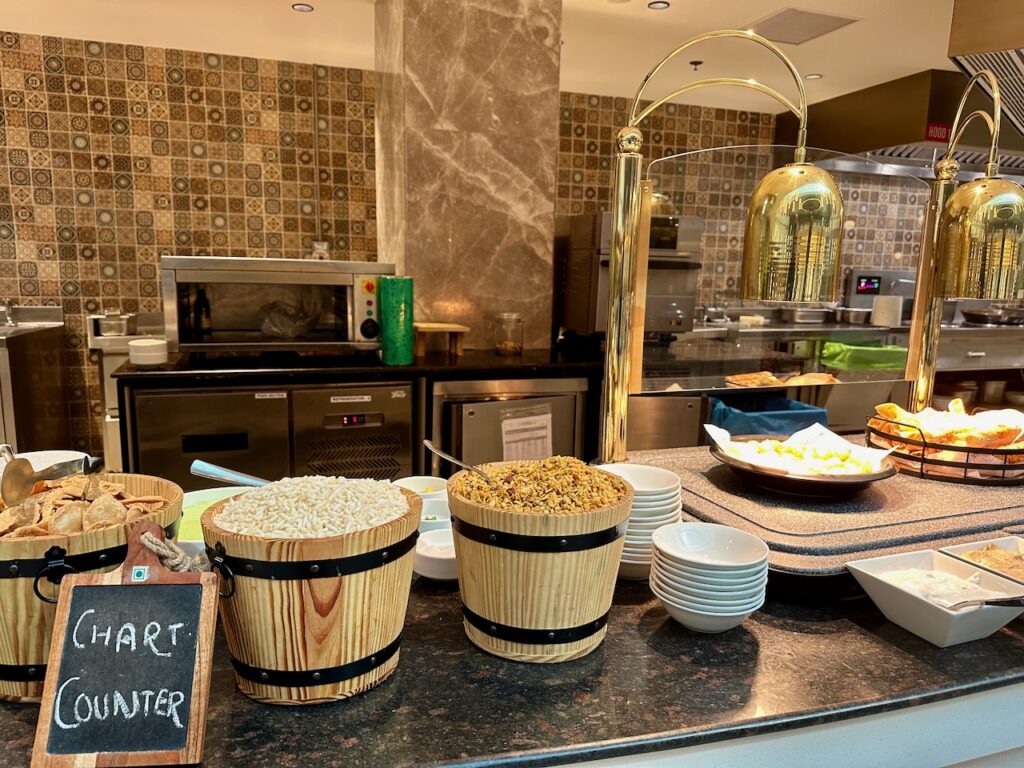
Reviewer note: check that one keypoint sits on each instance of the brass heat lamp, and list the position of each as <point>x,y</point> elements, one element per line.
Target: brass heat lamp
<point>791,249</point>
<point>973,244</point>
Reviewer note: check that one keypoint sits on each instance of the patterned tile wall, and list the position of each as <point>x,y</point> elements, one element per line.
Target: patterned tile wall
<point>113,155</point>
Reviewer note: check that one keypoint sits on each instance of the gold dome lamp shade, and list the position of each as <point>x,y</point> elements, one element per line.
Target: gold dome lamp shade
<point>792,244</point>
<point>973,244</point>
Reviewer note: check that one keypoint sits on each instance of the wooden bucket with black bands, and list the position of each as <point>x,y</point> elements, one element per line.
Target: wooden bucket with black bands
<point>537,588</point>
<point>30,569</point>
<point>314,620</point>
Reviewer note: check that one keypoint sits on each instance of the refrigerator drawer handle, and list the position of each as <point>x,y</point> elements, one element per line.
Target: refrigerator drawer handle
<point>976,354</point>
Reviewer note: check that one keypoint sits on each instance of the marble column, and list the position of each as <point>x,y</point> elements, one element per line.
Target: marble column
<point>467,141</point>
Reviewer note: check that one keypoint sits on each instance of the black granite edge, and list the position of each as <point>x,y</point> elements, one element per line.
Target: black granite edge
<point>474,362</point>
<point>692,737</point>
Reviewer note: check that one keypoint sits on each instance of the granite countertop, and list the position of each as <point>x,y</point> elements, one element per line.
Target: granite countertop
<point>543,362</point>
<point>652,685</point>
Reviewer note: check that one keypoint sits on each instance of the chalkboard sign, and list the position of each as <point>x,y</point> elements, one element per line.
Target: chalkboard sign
<point>130,666</point>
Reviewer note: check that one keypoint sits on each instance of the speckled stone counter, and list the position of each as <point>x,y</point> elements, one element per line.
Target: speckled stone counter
<point>652,685</point>
<point>815,537</point>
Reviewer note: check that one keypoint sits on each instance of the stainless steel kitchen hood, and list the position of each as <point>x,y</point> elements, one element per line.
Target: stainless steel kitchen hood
<point>906,123</point>
<point>988,34</point>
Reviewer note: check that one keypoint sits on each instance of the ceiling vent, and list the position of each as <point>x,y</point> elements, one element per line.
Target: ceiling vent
<point>794,26</point>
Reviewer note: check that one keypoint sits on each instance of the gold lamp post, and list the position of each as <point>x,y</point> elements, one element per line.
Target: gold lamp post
<point>791,248</point>
<point>973,244</point>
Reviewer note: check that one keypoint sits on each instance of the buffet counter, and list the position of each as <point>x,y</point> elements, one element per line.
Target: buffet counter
<point>653,688</point>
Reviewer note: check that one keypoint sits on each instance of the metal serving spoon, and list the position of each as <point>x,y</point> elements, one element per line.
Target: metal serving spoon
<point>19,478</point>
<point>448,457</point>
<point>224,475</point>
<point>1013,601</point>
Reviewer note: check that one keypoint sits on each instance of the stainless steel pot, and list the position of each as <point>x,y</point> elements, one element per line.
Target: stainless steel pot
<point>853,315</point>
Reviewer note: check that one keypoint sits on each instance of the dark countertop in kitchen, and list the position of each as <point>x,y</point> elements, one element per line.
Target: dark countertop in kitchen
<point>473,364</point>
<point>652,685</point>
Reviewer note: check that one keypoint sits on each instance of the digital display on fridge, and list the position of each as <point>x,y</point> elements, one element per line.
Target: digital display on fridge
<point>869,285</point>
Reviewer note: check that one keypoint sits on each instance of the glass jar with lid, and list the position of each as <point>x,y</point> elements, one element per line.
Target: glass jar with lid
<point>508,333</point>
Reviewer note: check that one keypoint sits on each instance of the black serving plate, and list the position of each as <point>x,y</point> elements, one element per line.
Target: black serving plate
<point>808,486</point>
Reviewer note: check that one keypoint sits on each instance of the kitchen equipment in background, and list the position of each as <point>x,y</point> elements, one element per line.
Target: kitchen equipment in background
<point>114,323</point>
<point>482,421</point>
<point>807,315</point>
<point>270,304</point>
<point>853,315</point>
<point>113,352</point>
<point>992,316</point>
<point>862,285</point>
<point>395,297</point>
<point>993,391</point>
<point>887,311</point>
<point>33,397</point>
<point>147,351</point>
<point>581,273</point>
<point>352,431</point>
<point>508,333</point>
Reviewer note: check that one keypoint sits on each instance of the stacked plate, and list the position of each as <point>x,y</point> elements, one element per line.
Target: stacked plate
<point>709,577</point>
<point>657,501</point>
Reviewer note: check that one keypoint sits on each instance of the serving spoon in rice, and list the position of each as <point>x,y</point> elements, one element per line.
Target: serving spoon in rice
<point>448,457</point>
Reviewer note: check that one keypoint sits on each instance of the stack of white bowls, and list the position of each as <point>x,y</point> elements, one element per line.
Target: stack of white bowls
<point>709,577</point>
<point>657,500</point>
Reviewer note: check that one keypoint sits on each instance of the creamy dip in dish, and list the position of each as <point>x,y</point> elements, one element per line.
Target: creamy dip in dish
<point>943,589</point>
<point>1009,562</point>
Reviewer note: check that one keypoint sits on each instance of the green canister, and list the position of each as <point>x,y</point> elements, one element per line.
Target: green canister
<point>396,332</point>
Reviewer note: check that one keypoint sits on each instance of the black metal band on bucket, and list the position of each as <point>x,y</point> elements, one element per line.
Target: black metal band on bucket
<point>309,677</point>
<point>534,636</point>
<point>231,566</point>
<point>523,543</point>
<point>22,673</point>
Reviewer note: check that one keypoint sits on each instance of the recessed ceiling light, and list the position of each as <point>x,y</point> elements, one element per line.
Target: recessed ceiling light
<point>302,7</point>
<point>814,76</point>
<point>658,5</point>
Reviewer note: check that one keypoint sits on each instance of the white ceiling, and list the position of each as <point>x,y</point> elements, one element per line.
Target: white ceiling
<point>608,45</point>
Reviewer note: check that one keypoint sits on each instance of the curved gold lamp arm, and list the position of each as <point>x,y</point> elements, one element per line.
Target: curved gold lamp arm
<point>799,109</point>
<point>960,122</point>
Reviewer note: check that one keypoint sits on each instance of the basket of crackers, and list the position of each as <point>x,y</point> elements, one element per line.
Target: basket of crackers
<point>73,525</point>
<point>985,448</point>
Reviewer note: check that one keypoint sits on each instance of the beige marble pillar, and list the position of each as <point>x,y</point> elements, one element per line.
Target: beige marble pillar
<point>467,138</point>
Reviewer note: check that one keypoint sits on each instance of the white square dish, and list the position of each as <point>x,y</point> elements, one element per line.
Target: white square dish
<point>1009,543</point>
<point>925,619</point>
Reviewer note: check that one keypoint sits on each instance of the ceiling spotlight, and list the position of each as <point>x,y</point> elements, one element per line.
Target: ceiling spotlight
<point>302,7</point>
<point>813,76</point>
<point>658,5</point>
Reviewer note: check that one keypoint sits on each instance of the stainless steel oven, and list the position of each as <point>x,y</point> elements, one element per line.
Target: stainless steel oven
<point>241,304</point>
<point>581,273</point>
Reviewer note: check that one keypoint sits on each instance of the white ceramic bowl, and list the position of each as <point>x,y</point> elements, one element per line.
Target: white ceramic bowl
<point>653,522</point>
<point>634,571</point>
<point>638,550</point>
<point>716,601</point>
<point>426,486</point>
<point>687,569</point>
<point>1009,543</point>
<point>703,622</point>
<point>644,479</point>
<point>649,502</point>
<point>924,618</point>
<point>435,514</point>
<point>711,580</point>
<point>653,515</point>
<point>710,546</point>
<point>710,591</point>
<point>435,555</point>
<point>740,609</point>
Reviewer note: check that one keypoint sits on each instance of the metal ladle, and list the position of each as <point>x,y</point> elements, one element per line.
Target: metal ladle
<point>448,457</point>
<point>224,475</point>
<point>19,478</point>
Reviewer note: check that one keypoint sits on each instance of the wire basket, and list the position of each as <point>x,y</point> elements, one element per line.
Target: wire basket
<point>948,463</point>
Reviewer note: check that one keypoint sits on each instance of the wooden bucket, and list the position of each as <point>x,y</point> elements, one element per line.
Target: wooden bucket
<point>297,631</point>
<point>537,588</point>
<point>30,564</point>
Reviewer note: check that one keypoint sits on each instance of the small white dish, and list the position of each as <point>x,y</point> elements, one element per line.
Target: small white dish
<point>652,522</point>
<point>634,571</point>
<point>435,555</point>
<point>646,480</point>
<point>924,618</point>
<point>739,582</point>
<point>644,502</point>
<point>727,603</point>
<point>435,514</point>
<point>425,485</point>
<point>710,546</point>
<point>1009,543</point>
<point>702,622</point>
<point>711,591</point>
